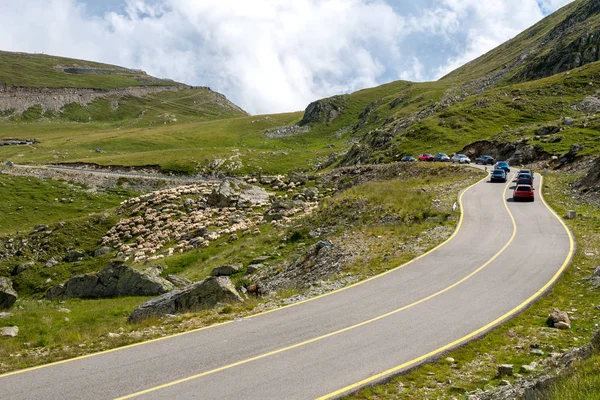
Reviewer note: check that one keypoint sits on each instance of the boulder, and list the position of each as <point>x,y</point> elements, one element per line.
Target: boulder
<point>253,196</point>
<point>505,370</point>
<point>21,268</point>
<point>223,196</point>
<point>252,268</point>
<point>547,130</point>
<point>117,279</point>
<point>4,315</point>
<point>559,319</point>
<point>8,296</point>
<point>74,255</point>
<point>102,251</point>
<point>11,331</point>
<point>259,260</point>
<point>178,281</point>
<point>226,270</point>
<point>203,294</point>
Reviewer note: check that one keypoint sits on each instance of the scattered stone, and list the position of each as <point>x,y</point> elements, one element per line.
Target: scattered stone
<point>226,270</point>
<point>597,271</point>
<point>64,310</point>
<point>527,368</point>
<point>113,335</point>
<point>252,268</point>
<point>4,315</point>
<point>11,331</point>
<point>40,227</point>
<point>74,255</point>
<point>233,237</point>
<point>102,251</point>
<point>178,281</point>
<point>450,359</point>
<point>203,294</point>
<point>259,260</point>
<point>559,319</point>
<point>504,382</point>
<point>505,370</point>
<point>117,279</point>
<point>51,263</point>
<point>21,268</point>
<point>537,352</point>
<point>8,295</point>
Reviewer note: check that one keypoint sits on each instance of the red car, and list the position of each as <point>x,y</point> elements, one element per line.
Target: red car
<point>524,192</point>
<point>425,157</point>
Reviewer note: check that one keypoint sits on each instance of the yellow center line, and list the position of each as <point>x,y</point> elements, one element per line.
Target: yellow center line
<point>306,342</point>
<point>475,333</point>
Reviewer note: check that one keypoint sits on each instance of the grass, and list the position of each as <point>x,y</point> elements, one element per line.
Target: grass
<point>581,382</point>
<point>38,70</point>
<point>475,363</point>
<point>30,201</point>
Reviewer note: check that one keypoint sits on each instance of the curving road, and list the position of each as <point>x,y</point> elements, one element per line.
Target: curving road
<point>501,258</point>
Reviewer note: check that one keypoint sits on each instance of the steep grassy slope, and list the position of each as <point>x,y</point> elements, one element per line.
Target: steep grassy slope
<point>45,71</point>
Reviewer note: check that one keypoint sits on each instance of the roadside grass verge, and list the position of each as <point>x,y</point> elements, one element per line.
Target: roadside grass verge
<point>581,382</point>
<point>392,234</point>
<point>475,364</point>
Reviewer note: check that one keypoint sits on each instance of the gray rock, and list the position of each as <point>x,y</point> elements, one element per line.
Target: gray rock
<point>310,193</point>
<point>178,281</point>
<point>11,331</point>
<point>8,296</point>
<point>226,270</point>
<point>102,251</point>
<point>203,294</point>
<point>40,227</point>
<point>253,196</point>
<point>223,196</point>
<point>51,263</point>
<point>505,370</point>
<point>597,271</point>
<point>252,268</point>
<point>117,279</point>
<point>559,317</point>
<point>527,368</point>
<point>21,268</point>
<point>537,352</point>
<point>4,315</point>
<point>568,121</point>
<point>259,260</point>
<point>547,130</point>
<point>556,139</point>
<point>74,255</point>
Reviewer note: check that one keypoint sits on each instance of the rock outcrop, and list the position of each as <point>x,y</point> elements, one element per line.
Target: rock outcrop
<point>117,279</point>
<point>203,294</point>
<point>325,110</point>
<point>8,296</point>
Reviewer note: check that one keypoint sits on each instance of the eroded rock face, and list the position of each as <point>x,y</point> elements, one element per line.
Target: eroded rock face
<point>117,279</point>
<point>203,294</point>
<point>324,110</point>
<point>8,296</point>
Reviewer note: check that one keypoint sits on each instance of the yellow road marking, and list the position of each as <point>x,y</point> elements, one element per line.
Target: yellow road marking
<point>478,331</point>
<point>281,350</point>
<point>460,221</point>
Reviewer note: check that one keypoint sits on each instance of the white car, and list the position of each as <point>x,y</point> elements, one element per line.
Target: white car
<point>461,159</point>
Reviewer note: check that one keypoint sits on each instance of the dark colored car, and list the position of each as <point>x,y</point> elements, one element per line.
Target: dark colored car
<point>441,157</point>
<point>498,175</point>
<point>425,157</point>
<point>523,192</point>
<point>502,165</point>
<point>524,179</point>
<point>408,159</point>
<point>527,171</point>
<point>485,160</point>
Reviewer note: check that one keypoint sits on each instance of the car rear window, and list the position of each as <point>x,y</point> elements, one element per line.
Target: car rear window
<point>524,188</point>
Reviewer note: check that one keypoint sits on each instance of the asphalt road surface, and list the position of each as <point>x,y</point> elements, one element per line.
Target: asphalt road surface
<point>503,256</point>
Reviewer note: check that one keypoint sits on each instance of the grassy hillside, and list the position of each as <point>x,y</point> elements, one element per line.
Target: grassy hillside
<point>46,71</point>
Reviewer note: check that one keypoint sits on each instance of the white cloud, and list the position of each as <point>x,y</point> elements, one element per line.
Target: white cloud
<point>272,55</point>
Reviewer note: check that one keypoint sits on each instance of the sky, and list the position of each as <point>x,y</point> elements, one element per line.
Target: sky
<point>270,56</point>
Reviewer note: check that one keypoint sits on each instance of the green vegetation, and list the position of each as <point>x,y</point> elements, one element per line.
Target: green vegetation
<point>475,363</point>
<point>30,201</point>
<point>41,70</point>
<point>581,382</point>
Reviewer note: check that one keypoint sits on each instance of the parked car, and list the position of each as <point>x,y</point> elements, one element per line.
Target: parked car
<point>485,160</point>
<point>10,164</point>
<point>425,157</point>
<point>498,175</point>
<point>441,157</point>
<point>461,159</point>
<point>502,165</point>
<point>524,192</point>
<point>524,179</point>
<point>408,159</point>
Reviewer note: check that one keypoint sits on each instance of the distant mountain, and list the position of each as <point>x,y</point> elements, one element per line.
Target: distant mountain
<point>530,98</point>
<point>38,87</point>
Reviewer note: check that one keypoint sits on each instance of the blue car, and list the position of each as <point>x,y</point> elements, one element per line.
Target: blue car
<point>502,165</point>
<point>498,175</point>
